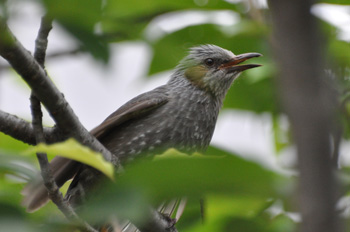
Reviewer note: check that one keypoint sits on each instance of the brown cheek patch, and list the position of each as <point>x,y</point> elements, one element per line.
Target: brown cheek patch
<point>196,73</point>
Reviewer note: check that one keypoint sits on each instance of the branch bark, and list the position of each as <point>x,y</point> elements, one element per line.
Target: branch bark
<point>48,179</point>
<point>26,66</point>
<point>23,130</point>
<point>49,182</point>
<point>309,103</point>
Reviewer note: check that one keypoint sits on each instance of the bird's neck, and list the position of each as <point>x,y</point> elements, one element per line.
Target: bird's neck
<point>188,93</point>
<point>179,83</point>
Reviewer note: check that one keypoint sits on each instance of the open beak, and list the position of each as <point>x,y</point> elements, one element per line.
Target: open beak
<point>235,66</point>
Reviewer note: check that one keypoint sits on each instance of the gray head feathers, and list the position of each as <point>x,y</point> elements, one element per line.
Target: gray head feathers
<point>199,53</point>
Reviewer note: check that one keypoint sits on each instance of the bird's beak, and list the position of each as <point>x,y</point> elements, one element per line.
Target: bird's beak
<point>234,64</point>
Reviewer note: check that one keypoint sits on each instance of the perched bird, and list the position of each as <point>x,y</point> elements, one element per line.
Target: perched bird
<point>180,114</point>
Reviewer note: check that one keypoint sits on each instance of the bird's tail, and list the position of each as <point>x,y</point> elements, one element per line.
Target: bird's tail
<point>35,193</point>
<point>174,208</point>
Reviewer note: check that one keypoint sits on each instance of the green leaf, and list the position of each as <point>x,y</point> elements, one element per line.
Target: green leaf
<point>339,2</point>
<point>340,51</point>
<point>196,175</point>
<point>139,8</point>
<point>124,203</point>
<point>12,219</point>
<point>126,20</point>
<point>240,214</point>
<point>171,49</point>
<point>181,175</point>
<point>259,96</point>
<point>176,175</point>
<point>9,144</point>
<point>71,149</point>
<point>281,137</point>
<point>234,206</point>
<point>80,17</point>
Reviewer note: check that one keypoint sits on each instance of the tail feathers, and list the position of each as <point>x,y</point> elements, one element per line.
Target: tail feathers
<point>130,228</point>
<point>35,196</point>
<point>181,208</point>
<point>35,193</point>
<point>175,206</point>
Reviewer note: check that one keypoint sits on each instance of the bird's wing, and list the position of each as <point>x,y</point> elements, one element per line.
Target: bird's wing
<point>35,194</point>
<point>135,108</point>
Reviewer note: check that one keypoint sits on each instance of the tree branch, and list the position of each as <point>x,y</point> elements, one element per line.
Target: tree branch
<point>49,182</point>
<point>48,179</point>
<point>54,101</point>
<point>23,130</point>
<point>39,55</point>
<point>309,103</point>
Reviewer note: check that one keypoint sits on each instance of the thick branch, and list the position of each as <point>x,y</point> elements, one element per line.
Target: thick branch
<point>309,104</point>
<point>23,130</point>
<point>54,101</point>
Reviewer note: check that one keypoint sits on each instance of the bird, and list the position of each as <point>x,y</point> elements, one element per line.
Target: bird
<point>180,114</point>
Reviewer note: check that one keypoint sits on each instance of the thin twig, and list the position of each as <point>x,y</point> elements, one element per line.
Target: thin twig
<point>49,181</point>
<point>23,130</point>
<point>41,43</point>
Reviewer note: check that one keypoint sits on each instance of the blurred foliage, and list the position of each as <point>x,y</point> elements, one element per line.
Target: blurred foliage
<point>79,17</point>
<point>195,176</point>
<point>239,195</point>
<point>340,2</point>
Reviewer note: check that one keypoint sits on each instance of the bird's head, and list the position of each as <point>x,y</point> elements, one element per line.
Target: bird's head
<point>213,68</point>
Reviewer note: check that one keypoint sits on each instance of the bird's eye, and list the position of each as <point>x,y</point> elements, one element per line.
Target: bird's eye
<point>209,62</point>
